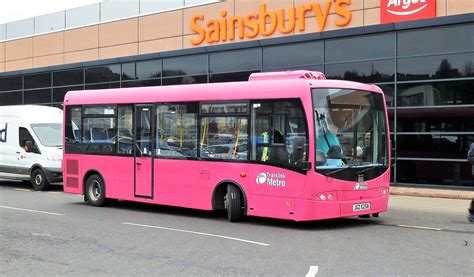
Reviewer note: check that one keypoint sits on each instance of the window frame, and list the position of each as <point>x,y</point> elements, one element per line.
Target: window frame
<point>20,128</point>
<point>155,134</point>
<point>84,116</point>
<point>297,101</point>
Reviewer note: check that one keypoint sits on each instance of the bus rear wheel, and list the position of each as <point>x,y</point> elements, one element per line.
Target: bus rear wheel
<point>233,203</point>
<point>95,191</point>
<point>38,179</point>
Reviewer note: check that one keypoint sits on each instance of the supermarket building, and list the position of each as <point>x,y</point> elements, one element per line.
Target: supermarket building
<point>420,52</point>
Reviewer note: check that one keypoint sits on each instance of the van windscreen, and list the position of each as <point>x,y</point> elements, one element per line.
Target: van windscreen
<point>49,134</point>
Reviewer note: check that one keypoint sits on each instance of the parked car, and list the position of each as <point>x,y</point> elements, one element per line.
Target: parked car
<point>31,144</point>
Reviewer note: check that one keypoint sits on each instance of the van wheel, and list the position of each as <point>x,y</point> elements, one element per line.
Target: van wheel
<point>95,191</point>
<point>38,179</point>
<point>233,204</point>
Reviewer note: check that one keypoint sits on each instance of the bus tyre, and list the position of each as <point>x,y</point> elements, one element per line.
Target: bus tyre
<point>38,179</point>
<point>233,204</point>
<point>95,191</point>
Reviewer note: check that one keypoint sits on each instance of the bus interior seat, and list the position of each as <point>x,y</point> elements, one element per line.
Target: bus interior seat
<point>77,134</point>
<point>111,133</point>
<point>278,152</point>
<point>298,150</point>
<point>98,135</point>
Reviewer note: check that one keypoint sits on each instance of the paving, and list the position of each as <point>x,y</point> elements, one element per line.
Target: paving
<point>429,204</point>
<point>432,193</point>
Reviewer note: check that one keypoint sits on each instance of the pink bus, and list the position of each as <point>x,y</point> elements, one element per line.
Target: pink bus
<point>288,145</point>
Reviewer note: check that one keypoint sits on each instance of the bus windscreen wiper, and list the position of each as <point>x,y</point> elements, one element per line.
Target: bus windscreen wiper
<point>366,169</point>
<point>338,170</point>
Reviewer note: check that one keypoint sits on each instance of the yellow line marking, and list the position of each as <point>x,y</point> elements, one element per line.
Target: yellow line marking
<point>23,189</point>
<point>420,227</point>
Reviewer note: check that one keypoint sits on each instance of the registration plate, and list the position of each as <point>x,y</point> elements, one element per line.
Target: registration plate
<point>360,207</point>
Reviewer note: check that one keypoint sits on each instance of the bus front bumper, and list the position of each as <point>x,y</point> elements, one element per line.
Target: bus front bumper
<point>306,210</point>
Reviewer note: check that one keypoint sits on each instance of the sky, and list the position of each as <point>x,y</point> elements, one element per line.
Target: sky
<point>21,9</point>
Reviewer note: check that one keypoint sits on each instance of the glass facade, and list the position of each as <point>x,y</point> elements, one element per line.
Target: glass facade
<point>104,11</point>
<point>50,22</point>
<point>428,85</point>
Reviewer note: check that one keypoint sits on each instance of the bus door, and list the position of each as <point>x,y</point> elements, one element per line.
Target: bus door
<point>143,151</point>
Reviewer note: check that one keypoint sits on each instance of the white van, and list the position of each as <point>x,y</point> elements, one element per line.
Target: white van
<point>31,144</point>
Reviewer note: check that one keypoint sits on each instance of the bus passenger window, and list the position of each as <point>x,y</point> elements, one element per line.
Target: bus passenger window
<point>125,130</point>
<point>176,130</point>
<point>99,130</point>
<point>224,138</point>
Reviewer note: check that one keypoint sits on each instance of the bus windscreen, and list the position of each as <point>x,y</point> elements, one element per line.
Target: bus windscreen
<point>350,130</point>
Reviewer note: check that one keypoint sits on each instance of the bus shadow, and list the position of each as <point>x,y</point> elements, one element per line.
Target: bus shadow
<point>163,209</point>
<point>28,186</point>
<point>315,225</point>
<point>221,216</point>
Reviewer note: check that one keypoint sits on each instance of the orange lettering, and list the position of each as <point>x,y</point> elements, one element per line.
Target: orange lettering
<point>320,16</point>
<point>263,14</point>
<point>291,21</point>
<point>250,23</point>
<point>344,12</point>
<point>223,25</point>
<point>240,27</point>
<point>266,22</point>
<point>197,29</point>
<point>302,16</point>
<point>212,34</point>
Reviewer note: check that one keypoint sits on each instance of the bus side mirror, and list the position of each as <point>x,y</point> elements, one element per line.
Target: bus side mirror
<point>305,165</point>
<point>30,147</point>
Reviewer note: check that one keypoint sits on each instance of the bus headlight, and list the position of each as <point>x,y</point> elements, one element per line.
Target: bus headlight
<point>326,196</point>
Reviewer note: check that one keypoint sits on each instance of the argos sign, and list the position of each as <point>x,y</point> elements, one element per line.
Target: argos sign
<point>265,21</point>
<point>403,10</point>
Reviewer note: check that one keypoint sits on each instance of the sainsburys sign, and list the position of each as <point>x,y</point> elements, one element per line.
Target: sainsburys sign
<point>403,10</point>
<point>265,21</point>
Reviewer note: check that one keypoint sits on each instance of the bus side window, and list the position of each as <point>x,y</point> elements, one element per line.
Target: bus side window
<point>125,130</point>
<point>73,129</point>
<point>99,125</point>
<point>176,130</point>
<point>279,133</point>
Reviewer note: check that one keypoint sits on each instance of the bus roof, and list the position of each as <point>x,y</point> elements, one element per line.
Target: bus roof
<point>257,89</point>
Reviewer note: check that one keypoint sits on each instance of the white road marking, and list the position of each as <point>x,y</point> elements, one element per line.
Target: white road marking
<point>197,233</point>
<point>27,210</point>
<point>420,227</point>
<point>313,270</point>
<point>23,189</point>
<point>54,192</point>
<point>41,235</point>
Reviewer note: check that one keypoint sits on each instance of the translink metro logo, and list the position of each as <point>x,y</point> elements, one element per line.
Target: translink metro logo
<point>271,179</point>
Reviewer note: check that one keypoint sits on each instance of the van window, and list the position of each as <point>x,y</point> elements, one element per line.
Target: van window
<point>49,134</point>
<point>24,136</point>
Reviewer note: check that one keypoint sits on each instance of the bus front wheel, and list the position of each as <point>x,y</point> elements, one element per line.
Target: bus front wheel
<point>233,203</point>
<point>95,191</point>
